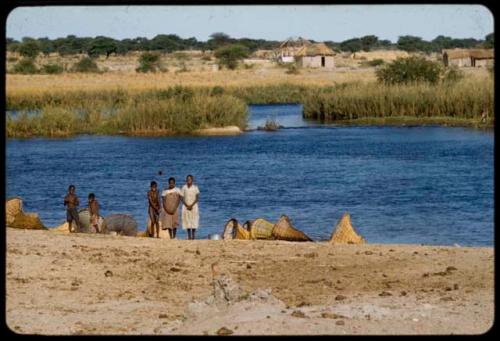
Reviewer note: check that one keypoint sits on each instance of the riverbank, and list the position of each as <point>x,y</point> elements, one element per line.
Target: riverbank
<point>101,284</point>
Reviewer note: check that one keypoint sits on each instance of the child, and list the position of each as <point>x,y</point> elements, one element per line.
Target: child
<point>190,215</point>
<point>94,213</point>
<point>171,201</point>
<point>154,208</point>
<point>71,202</point>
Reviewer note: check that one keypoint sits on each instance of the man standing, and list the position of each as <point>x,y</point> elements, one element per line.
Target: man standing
<point>71,202</point>
<point>154,209</point>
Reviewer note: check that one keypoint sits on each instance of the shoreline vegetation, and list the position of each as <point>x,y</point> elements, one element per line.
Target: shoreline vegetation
<point>171,108</point>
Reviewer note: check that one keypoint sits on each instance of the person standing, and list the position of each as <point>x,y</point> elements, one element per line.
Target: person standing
<point>154,209</point>
<point>94,213</point>
<point>171,201</point>
<point>71,202</point>
<point>190,213</point>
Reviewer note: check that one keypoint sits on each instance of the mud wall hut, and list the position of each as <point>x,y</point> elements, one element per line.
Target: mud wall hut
<point>289,48</point>
<point>315,56</point>
<point>468,57</point>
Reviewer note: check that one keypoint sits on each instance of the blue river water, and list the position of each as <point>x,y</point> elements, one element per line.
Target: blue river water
<point>424,185</point>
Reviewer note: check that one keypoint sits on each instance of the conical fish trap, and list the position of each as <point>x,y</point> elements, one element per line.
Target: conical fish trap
<point>84,218</point>
<point>344,232</point>
<point>283,230</point>
<point>172,201</point>
<point>13,207</point>
<point>121,224</point>
<point>242,233</point>
<point>230,229</point>
<point>261,229</point>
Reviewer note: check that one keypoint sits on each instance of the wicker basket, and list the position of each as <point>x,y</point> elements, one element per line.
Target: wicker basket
<point>344,232</point>
<point>283,230</point>
<point>261,229</point>
<point>242,233</point>
<point>230,229</point>
<point>84,218</point>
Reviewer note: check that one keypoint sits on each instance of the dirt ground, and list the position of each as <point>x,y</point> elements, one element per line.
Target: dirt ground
<point>101,284</point>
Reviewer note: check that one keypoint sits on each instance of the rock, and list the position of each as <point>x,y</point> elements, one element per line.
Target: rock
<point>340,298</point>
<point>249,266</point>
<point>224,331</point>
<point>403,293</point>
<point>198,252</point>
<point>368,253</point>
<point>455,286</point>
<point>174,269</point>
<point>108,273</point>
<point>340,323</point>
<point>298,313</point>
<point>385,293</point>
<point>163,316</point>
<point>451,268</point>
<point>327,315</point>
<point>311,255</point>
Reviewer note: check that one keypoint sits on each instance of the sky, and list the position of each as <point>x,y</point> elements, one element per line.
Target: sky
<point>278,22</point>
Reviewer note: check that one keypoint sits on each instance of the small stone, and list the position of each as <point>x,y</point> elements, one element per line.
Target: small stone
<point>455,286</point>
<point>268,317</point>
<point>403,293</point>
<point>425,274</point>
<point>224,331</point>
<point>448,289</point>
<point>368,253</point>
<point>162,316</point>
<point>340,323</point>
<point>311,255</point>
<point>415,252</point>
<point>451,268</point>
<point>390,250</point>
<point>249,266</point>
<point>174,269</point>
<point>198,252</point>
<point>446,299</point>
<point>385,293</point>
<point>108,273</point>
<point>340,298</point>
<point>298,313</point>
<point>327,315</point>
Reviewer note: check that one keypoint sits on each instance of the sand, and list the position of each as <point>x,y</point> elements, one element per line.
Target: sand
<point>101,284</point>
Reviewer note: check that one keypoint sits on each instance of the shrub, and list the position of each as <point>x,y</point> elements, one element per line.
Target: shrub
<point>25,66</point>
<point>292,69</point>
<point>452,75</point>
<point>230,55</point>
<point>375,62</point>
<point>217,90</point>
<point>52,68</point>
<point>149,62</point>
<point>414,69</point>
<point>85,64</point>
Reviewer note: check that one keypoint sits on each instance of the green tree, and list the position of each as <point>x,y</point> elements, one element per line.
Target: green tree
<point>101,46</point>
<point>231,55</point>
<point>351,45</point>
<point>218,39</point>
<point>29,48</point>
<point>368,42</point>
<point>149,62</point>
<point>489,41</point>
<point>413,44</point>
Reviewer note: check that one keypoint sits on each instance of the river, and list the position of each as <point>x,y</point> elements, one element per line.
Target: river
<point>425,185</point>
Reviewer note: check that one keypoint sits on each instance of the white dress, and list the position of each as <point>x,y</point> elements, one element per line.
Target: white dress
<point>190,219</point>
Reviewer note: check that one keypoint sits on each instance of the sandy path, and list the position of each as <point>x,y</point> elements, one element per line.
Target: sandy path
<point>57,284</point>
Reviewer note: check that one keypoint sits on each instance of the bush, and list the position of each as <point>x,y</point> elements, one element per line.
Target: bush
<point>52,68</point>
<point>25,66</point>
<point>149,62</point>
<point>230,55</point>
<point>292,69</point>
<point>452,75</point>
<point>414,69</point>
<point>376,62</point>
<point>217,90</point>
<point>85,64</point>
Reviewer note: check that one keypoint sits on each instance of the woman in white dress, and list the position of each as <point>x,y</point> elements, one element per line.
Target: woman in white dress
<point>190,214</point>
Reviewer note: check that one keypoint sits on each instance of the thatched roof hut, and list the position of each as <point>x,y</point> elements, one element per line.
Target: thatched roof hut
<point>290,47</point>
<point>319,49</point>
<point>467,57</point>
<point>315,55</point>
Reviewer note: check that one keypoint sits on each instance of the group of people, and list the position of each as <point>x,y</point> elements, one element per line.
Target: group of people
<point>163,213</point>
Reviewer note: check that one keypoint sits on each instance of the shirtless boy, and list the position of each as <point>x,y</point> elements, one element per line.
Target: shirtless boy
<point>154,208</point>
<point>71,202</point>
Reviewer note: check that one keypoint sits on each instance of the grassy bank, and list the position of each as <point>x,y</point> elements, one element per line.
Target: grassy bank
<point>183,109</point>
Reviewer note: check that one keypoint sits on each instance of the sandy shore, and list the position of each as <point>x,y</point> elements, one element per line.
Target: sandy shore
<point>101,284</point>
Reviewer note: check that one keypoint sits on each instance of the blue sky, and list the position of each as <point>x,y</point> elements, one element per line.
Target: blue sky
<point>317,22</point>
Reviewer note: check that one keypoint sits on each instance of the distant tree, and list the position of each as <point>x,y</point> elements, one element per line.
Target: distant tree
<point>85,64</point>
<point>29,48</point>
<point>368,42</point>
<point>413,44</point>
<point>351,45</point>
<point>489,41</point>
<point>46,46</point>
<point>231,55</point>
<point>218,39</point>
<point>101,46</point>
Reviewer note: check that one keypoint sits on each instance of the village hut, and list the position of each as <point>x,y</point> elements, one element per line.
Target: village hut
<point>289,48</point>
<point>315,56</point>
<point>468,57</point>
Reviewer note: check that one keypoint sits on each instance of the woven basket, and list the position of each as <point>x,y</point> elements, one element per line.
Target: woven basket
<point>121,224</point>
<point>84,218</point>
<point>172,204</point>
<point>261,229</point>
<point>283,230</point>
<point>344,232</point>
<point>13,207</point>
<point>242,233</point>
<point>230,229</point>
